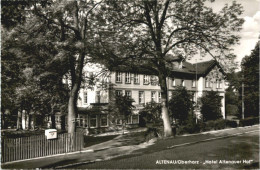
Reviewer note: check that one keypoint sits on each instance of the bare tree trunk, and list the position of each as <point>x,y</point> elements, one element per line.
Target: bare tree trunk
<point>27,122</point>
<point>164,102</point>
<point>19,120</point>
<point>72,109</point>
<point>33,119</point>
<point>23,120</point>
<point>53,120</point>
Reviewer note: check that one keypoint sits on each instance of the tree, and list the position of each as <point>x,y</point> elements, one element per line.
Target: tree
<point>148,31</point>
<point>34,82</point>
<point>13,13</point>
<point>60,32</point>
<point>151,113</point>
<point>211,106</point>
<point>250,73</point>
<point>232,102</point>
<point>121,107</point>
<point>11,77</point>
<point>180,104</point>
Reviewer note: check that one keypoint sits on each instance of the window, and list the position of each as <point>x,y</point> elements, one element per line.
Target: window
<point>128,78</point>
<point>146,79</point>
<point>193,83</point>
<point>182,82</point>
<point>173,82</point>
<point>97,96</point>
<point>210,84</point>
<point>118,77</point>
<point>206,82</point>
<point>136,78</point>
<point>93,121</point>
<point>103,120</point>
<point>80,121</point>
<point>85,121</point>
<point>153,96</point>
<point>128,93</point>
<point>119,93</point>
<point>219,83</point>
<point>141,97</point>
<point>159,97</point>
<point>135,119</point>
<point>85,97</point>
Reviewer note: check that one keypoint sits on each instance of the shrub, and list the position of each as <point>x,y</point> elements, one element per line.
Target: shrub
<point>189,127</point>
<point>249,121</point>
<point>209,125</point>
<point>153,133</point>
<point>217,124</point>
<point>180,104</point>
<point>211,106</point>
<point>151,113</point>
<point>192,127</point>
<point>231,123</point>
<point>220,124</point>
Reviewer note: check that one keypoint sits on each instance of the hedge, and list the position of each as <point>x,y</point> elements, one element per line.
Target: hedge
<point>249,121</point>
<point>206,126</point>
<point>192,127</point>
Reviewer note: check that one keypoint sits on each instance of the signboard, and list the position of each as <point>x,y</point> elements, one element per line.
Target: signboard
<point>51,133</point>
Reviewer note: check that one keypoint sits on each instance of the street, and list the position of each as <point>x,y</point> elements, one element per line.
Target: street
<point>240,151</point>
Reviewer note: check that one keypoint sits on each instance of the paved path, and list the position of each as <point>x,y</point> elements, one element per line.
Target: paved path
<point>115,148</point>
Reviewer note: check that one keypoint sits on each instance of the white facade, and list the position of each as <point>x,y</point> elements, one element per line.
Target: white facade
<point>144,88</point>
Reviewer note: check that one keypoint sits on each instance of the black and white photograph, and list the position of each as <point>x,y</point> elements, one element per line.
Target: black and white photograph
<point>130,84</point>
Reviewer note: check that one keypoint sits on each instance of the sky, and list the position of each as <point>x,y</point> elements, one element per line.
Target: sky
<point>250,29</point>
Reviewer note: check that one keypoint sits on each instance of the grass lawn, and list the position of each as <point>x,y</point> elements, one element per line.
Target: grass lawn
<point>91,140</point>
<point>237,148</point>
<point>134,138</point>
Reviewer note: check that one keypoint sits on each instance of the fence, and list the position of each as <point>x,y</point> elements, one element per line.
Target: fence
<point>38,146</point>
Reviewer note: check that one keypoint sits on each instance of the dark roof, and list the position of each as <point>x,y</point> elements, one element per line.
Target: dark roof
<point>187,68</point>
<point>204,67</point>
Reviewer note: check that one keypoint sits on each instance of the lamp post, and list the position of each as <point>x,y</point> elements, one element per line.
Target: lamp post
<point>196,92</point>
<point>243,104</point>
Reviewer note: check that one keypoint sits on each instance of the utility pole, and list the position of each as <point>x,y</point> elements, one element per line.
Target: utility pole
<point>196,95</point>
<point>243,104</point>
